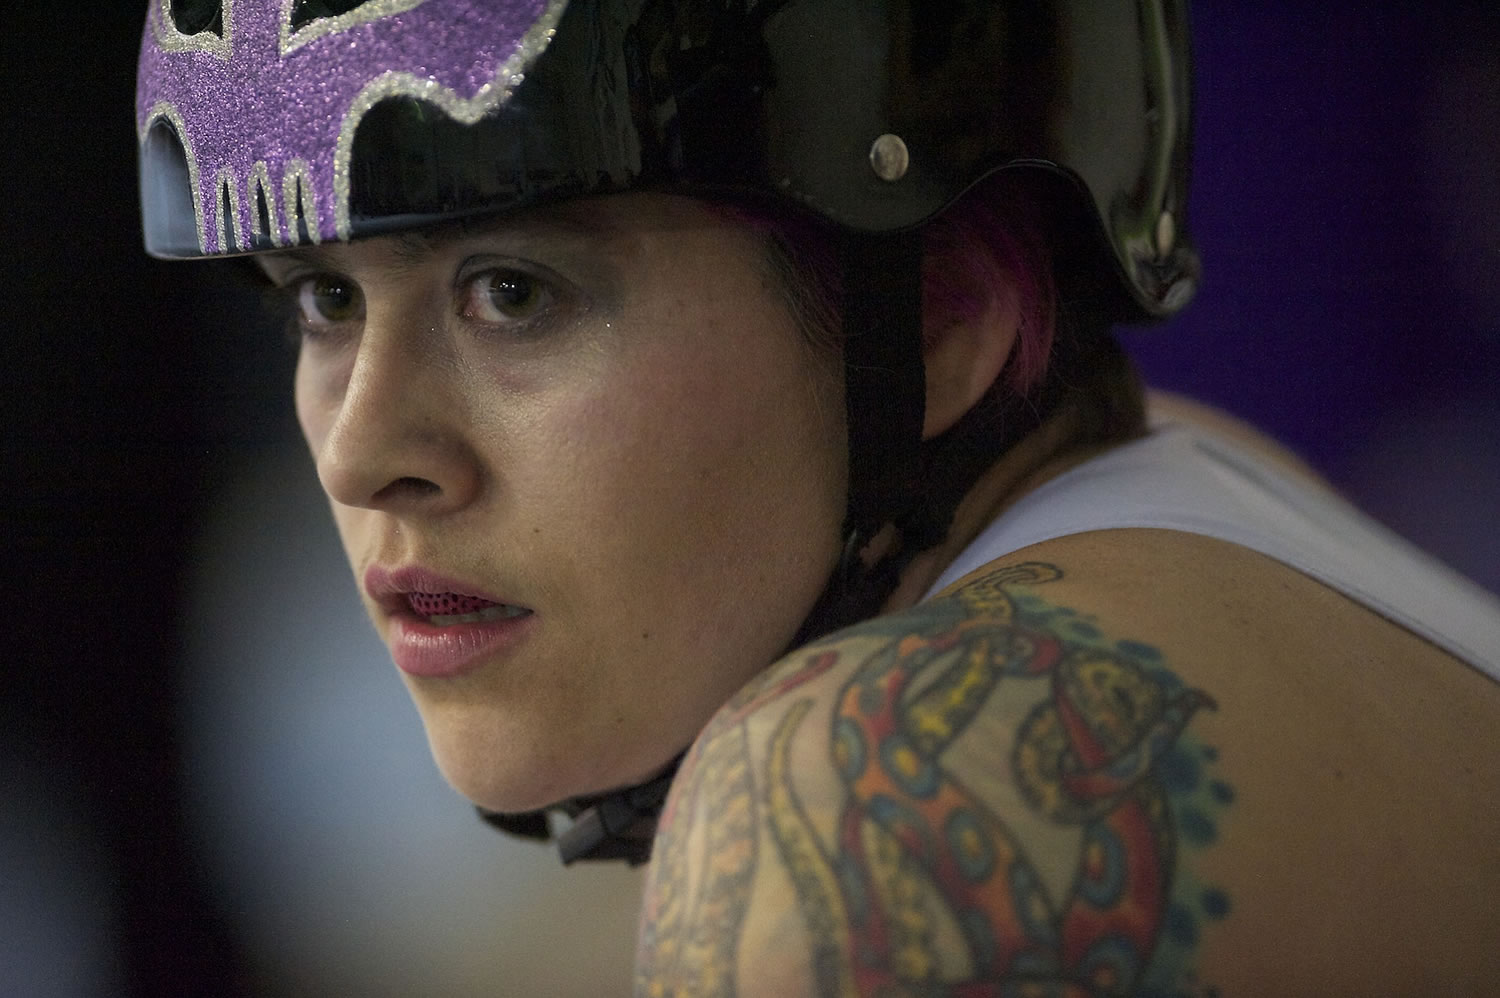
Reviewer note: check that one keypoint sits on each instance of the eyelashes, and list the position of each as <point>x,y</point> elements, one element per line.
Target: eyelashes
<point>327,306</point>
<point>502,295</point>
<point>328,300</point>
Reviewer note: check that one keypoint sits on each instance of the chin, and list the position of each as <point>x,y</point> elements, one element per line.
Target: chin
<point>495,789</point>
<point>497,777</point>
<point>516,774</point>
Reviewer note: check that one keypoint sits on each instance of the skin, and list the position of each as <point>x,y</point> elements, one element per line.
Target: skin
<point>1311,789</point>
<point>937,801</point>
<point>611,451</point>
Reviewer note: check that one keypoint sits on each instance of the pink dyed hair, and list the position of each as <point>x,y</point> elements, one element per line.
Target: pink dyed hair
<point>984,247</point>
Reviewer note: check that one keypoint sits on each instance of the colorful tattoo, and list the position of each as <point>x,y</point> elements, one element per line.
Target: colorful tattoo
<point>688,937</point>
<point>925,888</point>
<point>696,934</point>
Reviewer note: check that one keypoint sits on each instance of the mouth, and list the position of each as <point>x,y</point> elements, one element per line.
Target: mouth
<point>440,627</point>
<point>449,609</point>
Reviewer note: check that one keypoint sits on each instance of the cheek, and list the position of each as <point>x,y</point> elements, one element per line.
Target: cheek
<point>314,415</point>
<point>717,433</point>
<point>719,486</point>
<point>316,410</point>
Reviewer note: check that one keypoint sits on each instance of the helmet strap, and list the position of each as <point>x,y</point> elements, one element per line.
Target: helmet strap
<point>885,385</point>
<point>885,402</point>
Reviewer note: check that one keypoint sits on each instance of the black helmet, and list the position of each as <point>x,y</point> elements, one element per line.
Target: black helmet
<point>266,123</point>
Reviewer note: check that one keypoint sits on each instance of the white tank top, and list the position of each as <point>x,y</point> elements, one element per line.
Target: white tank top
<point>1179,478</point>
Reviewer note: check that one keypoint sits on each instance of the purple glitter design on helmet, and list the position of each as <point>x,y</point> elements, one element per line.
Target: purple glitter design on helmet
<point>260,107</point>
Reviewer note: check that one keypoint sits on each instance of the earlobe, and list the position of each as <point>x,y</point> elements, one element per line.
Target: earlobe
<point>963,359</point>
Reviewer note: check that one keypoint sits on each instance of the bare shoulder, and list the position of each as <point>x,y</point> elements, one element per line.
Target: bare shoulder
<point>1043,782</point>
<point>968,793</point>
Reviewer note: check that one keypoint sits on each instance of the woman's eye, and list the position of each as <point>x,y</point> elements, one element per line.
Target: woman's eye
<point>327,300</point>
<point>504,296</point>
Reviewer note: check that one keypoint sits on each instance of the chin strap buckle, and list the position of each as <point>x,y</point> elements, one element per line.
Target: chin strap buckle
<point>616,825</point>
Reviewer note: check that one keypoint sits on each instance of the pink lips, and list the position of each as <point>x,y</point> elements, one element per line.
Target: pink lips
<point>424,649</point>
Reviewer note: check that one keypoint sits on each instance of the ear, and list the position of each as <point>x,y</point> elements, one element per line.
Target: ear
<point>963,359</point>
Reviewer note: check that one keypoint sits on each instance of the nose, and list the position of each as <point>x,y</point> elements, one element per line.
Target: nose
<point>395,438</point>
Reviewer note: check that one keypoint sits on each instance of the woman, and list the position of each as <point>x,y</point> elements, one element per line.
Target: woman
<point>645,345</point>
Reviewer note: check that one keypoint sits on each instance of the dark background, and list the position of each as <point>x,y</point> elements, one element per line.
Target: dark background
<point>1345,203</point>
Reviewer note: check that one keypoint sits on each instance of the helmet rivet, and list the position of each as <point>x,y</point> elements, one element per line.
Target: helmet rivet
<point>889,158</point>
<point>1166,234</point>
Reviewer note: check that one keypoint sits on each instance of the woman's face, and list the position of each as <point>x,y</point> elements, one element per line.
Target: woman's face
<point>588,473</point>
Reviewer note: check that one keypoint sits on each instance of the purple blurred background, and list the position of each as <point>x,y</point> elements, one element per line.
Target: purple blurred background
<point>1347,210</point>
<point>1346,202</point>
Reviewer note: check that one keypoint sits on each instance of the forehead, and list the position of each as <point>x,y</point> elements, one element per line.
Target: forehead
<point>607,226</point>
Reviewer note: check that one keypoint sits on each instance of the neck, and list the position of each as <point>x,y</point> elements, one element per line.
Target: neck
<point>1044,453</point>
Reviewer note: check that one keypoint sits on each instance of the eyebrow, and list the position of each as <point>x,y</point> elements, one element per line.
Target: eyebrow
<point>412,246</point>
